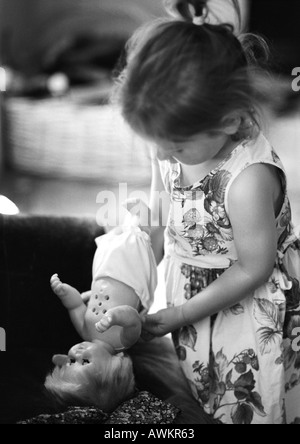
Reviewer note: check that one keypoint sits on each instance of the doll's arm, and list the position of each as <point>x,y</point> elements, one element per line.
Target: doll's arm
<point>126,317</point>
<point>72,301</point>
<point>86,296</point>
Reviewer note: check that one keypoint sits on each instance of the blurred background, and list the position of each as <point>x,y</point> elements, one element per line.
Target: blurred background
<point>62,142</point>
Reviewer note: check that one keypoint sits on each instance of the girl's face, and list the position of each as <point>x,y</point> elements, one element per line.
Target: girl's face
<point>82,356</point>
<point>194,150</point>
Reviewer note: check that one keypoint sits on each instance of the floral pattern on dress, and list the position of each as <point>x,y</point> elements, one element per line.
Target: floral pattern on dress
<point>271,318</point>
<point>210,235</point>
<point>276,320</point>
<point>291,332</point>
<point>198,279</point>
<point>221,377</point>
<point>236,377</point>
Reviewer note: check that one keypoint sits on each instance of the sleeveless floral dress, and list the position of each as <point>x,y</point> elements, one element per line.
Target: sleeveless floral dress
<point>243,365</point>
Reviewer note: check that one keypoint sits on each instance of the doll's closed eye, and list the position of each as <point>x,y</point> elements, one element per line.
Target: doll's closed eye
<point>81,362</point>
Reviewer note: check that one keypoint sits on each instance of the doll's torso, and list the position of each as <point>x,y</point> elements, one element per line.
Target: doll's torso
<point>107,294</point>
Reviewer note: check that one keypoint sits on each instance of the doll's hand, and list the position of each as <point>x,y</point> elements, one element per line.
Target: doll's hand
<point>164,322</point>
<point>105,324</point>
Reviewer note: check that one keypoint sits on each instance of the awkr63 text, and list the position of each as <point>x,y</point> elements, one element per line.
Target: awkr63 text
<point>159,433</point>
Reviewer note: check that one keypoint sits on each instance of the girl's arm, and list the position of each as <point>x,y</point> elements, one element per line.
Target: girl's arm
<point>158,199</point>
<point>253,199</point>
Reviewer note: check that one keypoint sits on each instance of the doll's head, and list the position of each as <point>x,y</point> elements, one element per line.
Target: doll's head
<point>91,374</point>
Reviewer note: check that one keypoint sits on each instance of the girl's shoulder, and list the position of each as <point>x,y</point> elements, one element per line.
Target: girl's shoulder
<point>250,152</point>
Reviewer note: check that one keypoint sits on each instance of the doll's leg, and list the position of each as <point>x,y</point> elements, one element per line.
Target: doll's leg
<point>126,317</point>
<point>72,301</point>
<point>69,296</point>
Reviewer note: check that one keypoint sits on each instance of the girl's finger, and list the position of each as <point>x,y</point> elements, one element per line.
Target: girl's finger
<point>150,320</point>
<point>146,336</point>
<point>143,318</point>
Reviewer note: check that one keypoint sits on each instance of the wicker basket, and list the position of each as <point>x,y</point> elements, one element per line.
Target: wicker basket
<point>65,139</point>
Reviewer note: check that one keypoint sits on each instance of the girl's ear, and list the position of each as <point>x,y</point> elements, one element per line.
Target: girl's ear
<point>231,123</point>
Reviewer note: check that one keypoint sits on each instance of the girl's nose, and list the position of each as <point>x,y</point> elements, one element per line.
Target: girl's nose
<point>162,155</point>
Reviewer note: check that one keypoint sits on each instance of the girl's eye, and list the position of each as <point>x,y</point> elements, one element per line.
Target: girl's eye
<point>85,361</point>
<point>178,151</point>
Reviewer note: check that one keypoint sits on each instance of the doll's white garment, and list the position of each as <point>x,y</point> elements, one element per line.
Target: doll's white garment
<point>125,254</point>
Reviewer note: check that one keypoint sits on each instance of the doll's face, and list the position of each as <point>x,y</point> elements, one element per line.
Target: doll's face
<point>85,356</point>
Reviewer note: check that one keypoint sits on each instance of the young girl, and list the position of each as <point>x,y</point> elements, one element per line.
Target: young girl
<point>231,253</point>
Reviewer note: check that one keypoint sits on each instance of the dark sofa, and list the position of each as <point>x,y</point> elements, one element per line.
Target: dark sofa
<point>32,248</point>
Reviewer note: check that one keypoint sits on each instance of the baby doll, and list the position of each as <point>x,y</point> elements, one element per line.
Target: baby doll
<point>96,372</point>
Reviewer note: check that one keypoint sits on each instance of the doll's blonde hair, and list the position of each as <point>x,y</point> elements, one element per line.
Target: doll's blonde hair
<point>104,390</point>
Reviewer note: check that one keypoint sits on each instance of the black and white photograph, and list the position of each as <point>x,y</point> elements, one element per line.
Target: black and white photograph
<point>149,214</point>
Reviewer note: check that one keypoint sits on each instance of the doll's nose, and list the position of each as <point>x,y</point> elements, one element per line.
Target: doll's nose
<point>60,360</point>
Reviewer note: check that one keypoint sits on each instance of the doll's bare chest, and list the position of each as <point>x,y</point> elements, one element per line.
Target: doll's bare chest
<point>107,294</point>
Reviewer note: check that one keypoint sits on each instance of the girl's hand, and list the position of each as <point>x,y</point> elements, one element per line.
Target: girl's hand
<point>164,322</point>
